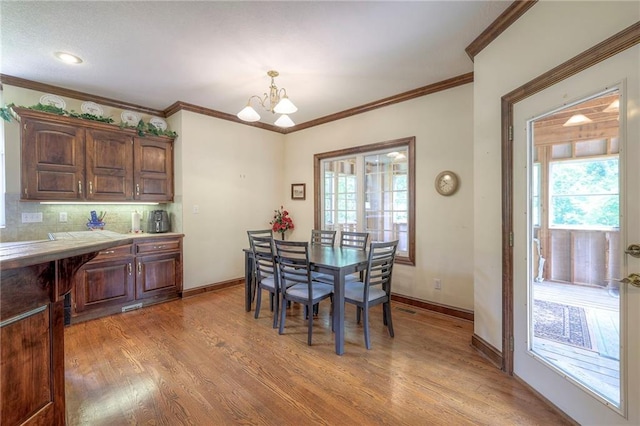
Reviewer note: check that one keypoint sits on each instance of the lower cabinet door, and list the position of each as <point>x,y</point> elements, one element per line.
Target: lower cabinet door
<point>104,284</point>
<point>158,275</point>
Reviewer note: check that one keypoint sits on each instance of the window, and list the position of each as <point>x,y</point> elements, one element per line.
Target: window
<point>584,193</point>
<point>369,189</point>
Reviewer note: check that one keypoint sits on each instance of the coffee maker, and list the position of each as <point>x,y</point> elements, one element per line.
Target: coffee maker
<point>158,222</point>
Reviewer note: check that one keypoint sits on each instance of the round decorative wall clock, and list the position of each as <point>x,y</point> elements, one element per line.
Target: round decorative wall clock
<point>447,183</point>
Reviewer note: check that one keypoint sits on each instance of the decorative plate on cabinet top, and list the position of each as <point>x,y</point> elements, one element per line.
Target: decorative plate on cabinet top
<point>92,108</point>
<point>53,100</point>
<point>159,123</point>
<point>130,117</point>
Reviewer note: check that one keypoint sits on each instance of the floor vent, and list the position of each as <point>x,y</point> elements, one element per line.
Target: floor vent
<point>409,311</point>
<point>131,307</point>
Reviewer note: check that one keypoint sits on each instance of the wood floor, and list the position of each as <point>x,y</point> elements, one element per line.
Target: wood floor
<point>205,361</point>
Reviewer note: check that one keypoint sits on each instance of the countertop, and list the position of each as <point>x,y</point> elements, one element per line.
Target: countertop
<point>65,244</point>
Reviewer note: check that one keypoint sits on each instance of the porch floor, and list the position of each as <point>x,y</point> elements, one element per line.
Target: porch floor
<point>598,368</point>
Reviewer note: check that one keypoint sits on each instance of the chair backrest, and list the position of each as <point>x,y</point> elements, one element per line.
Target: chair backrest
<point>356,240</point>
<point>260,233</point>
<point>322,237</point>
<point>263,257</point>
<point>380,267</point>
<point>293,263</point>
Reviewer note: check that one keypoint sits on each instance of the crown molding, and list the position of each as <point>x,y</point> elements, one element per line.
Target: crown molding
<point>411,94</point>
<point>61,91</point>
<point>502,22</point>
<point>184,106</point>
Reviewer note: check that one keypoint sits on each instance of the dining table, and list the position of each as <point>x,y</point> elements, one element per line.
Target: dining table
<point>335,261</point>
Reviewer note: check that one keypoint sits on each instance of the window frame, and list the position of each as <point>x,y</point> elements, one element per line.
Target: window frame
<point>407,143</point>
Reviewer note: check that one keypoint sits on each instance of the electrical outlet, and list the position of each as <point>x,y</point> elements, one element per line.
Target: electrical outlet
<point>196,209</point>
<point>62,217</point>
<point>31,217</point>
<point>437,284</point>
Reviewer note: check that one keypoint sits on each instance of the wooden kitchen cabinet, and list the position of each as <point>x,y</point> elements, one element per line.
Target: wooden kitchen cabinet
<point>109,162</point>
<point>106,281</point>
<point>129,277</point>
<point>153,169</point>
<point>53,159</point>
<point>66,158</point>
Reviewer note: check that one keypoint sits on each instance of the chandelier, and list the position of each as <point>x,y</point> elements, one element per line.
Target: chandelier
<point>275,101</point>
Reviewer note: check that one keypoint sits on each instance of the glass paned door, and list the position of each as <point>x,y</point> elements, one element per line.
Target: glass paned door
<point>574,298</point>
<point>576,208</point>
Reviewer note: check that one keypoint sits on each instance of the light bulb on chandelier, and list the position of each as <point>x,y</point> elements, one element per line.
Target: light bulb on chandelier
<point>275,101</point>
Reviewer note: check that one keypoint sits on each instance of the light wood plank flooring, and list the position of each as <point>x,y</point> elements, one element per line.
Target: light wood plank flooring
<point>599,367</point>
<point>205,361</point>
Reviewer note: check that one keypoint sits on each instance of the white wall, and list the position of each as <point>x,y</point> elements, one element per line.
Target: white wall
<point>442,125</point>
<point>233,173</point>
<point>549,34</point>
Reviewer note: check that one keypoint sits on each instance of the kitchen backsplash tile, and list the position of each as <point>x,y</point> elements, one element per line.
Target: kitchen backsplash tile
<point>117,219</point>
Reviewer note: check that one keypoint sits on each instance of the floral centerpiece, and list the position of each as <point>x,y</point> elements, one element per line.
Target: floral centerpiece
<point>281,222</point>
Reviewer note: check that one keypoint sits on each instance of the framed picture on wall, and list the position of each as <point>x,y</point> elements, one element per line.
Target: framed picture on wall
<point>298,191</point>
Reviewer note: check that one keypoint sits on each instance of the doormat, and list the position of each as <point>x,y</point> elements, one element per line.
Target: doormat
<point>561,323</point>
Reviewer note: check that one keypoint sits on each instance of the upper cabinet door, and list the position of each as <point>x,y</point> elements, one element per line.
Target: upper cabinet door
<point>54,166</point>
<point>109,166</point>
<point>153,169</point>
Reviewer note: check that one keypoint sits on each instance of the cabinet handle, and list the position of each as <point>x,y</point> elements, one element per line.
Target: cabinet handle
<point>129,268</point>
<point>108,252</point>
<point>139,267</point>
<point>158,247</point>
<point>137,189</point>
<point>80,187</point>
<point>90,187</point>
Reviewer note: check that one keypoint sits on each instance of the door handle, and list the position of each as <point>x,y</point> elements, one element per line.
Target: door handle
<point>633,250</point>
<point>633,279</point>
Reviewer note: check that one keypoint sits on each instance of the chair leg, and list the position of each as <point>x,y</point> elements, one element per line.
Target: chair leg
<point>310,330</point>
<point>358,314</point>
<point>387,314</point>
<point>254,285</point>
<point>331,314</point>
<point>258,302</point>
<point>283,313</point>
<point>367,339</point>
<point>276,303</point>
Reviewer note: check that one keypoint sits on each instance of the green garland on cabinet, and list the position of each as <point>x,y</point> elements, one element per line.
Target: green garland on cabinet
<point>142,128</point>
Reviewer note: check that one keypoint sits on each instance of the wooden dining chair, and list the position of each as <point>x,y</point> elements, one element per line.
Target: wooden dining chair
<point>296,283</point>
<point>376,287</point>
<point>356,240</point>
<point>265,270</point>
<point>323,237</point>
<point>258,233</point>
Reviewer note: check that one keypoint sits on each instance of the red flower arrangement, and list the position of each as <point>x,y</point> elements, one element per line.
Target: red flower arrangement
<point>281,222</point>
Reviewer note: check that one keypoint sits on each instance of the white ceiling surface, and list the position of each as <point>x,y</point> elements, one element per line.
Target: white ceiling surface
<point>331,56</point>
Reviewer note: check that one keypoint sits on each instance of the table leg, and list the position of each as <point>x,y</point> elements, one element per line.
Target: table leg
<point>338,310</point>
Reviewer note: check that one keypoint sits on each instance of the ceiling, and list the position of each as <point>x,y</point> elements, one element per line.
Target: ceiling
<point>332,56</point>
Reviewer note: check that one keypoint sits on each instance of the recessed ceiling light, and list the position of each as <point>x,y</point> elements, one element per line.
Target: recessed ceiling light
<point>68,58</point>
